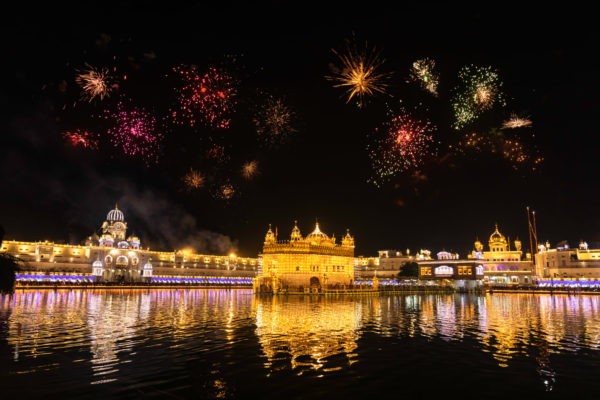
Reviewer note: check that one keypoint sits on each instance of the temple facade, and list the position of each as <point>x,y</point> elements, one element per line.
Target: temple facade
<point>503,265</point>
<point>308,264</point>
<point>111,256</point>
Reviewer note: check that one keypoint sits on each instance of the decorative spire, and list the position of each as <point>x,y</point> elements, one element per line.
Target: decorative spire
<point>269,237</point>
<point>295,236</point>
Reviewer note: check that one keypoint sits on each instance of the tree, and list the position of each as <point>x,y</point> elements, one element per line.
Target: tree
<point>9,265</point>
<point>409,269</point>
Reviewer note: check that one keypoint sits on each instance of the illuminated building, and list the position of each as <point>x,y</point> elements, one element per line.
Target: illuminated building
<point>564,262</point>
<point>114,257</point>
<point>450,270</point>
<point>366,267</point>
<point>501,264</point>
<point>305,264</point>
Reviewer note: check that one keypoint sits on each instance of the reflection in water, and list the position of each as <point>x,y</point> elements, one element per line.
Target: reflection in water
<point>173,340</point>
<point>113,323</point>
<point>307,332</point>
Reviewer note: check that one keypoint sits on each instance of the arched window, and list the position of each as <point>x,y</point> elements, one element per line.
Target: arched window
<point>443,270</point>
<point>122,260</point>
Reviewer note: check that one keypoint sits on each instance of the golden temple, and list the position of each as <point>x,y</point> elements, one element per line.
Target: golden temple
<point>305,264</point>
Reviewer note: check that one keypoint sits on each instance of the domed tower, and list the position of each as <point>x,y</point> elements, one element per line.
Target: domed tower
<point>497,241</point>
<point>295,236</point>
<point>518,244</point>
<point>348,241</point>
<point>134,242</point>
<point>115,225</point>
<point>270,236</point>
<point>317,237</point>
<point>478,246</point>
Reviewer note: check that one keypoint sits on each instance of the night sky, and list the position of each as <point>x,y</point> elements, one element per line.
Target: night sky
<point>546,60</point>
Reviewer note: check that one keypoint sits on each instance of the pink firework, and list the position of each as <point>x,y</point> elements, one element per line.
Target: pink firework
<point>405,146</point>
<point>81,138</point>
<point>409,140</point>
<point>206,99</point>
<point>135,132</point>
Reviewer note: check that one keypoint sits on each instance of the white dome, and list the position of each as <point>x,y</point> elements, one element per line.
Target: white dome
<point>115,215</point>
<point>148,265</point>
<point>97,263</point>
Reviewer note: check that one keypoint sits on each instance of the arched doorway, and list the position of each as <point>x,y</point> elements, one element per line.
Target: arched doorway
<point>315,284</point>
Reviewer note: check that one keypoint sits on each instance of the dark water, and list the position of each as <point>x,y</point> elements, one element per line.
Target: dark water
<point>231,344</point>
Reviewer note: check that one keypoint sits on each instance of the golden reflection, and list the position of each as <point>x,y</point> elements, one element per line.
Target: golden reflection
<point>103,329</point>
<point>306,332</point>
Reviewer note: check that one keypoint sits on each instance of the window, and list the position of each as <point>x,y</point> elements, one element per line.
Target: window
<point>444,270</point>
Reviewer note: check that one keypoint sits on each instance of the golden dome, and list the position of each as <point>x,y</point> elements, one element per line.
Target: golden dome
<point>296,235</point>
<point>317,237</point>
<point>497,237</point>
<point>348,240</point>
<point>270,236</point>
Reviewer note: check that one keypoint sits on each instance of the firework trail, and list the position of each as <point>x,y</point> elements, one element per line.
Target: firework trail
<point>274,122</point>
<point>479,91</point>
<point>81,138</point>
<point>423,72</point>
<point>135,132</point>
<point>207,99</point>
<point>94,83</point>
<point>407,143</point>
<point>357,73</point>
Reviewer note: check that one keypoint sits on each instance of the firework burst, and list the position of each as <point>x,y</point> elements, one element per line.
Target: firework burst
<point>81,138</point>
<point>274,122</point>
<point>95,83</point>
<point>516,122</point>
<point>358,74</point>
<point>224,191</point>
<point>407,143</point>
<point>250,169</point>
<point>135,132</point>
<point>518,155</point>
<point>207,98</point>
<point>217,153</point>
<point>423,72</point>
<point>194,179</point>
<point>480,90</point>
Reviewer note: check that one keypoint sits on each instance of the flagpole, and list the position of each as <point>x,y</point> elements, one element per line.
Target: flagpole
<point>529,230</point>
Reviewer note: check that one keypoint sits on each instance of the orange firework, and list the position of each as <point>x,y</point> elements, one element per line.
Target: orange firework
<point>227,191</point>
<point>250,169</point>
<point>194,179</point>
<point>94,82</point>
<point>358,73</point>
<point>81,138</point>
<point>516,122</point>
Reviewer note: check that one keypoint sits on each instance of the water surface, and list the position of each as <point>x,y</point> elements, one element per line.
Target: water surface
<point>232,344</point>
